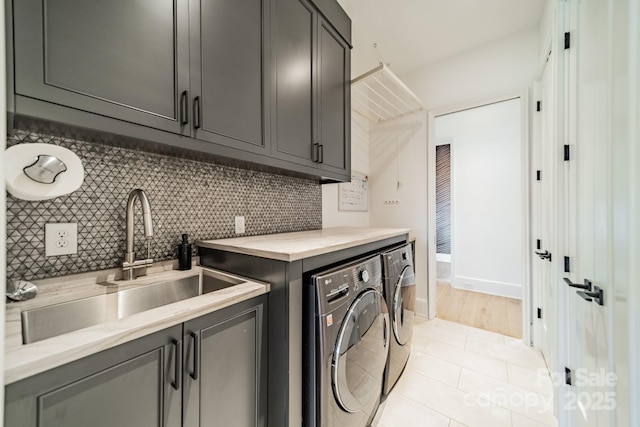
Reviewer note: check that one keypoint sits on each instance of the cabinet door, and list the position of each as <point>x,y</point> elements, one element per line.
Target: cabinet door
<point>127,386</point>
<point>293,53</point>
<point>225,367</point>
<point>334,59</point>
<point>228,44</point>
<point>125,59</point>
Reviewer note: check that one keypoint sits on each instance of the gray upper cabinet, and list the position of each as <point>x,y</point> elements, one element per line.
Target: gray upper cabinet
<point>255,81</point>
<point>335,101</point>
<point>229,45</point>
<point>311,89</point>
<point>133,385</point>
<point>294,50</point>
<point>125,59</point>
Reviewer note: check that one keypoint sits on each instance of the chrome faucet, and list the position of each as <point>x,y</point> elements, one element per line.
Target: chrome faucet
<point>131,267</point>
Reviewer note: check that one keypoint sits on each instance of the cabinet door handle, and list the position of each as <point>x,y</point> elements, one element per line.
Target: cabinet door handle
<point>587,284</point>
<point>184,108</point>
<point>177,372</point>
<point>320,153</point>
<point>314,153</point>
<point>196,355</point>
<point>196,112</point>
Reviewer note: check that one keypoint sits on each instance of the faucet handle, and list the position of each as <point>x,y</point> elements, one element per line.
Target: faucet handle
<point>131,270</point>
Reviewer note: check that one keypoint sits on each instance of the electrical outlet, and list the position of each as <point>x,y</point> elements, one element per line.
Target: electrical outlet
<point>239,225</point>
<point>61,238</point>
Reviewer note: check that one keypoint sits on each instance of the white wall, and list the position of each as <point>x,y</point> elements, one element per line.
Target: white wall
<point>491,70</point>
<point>546,22</point>
<point>500,67</point>
<point>331,216</point>
<point>486,178</point>
<point>496,68</point>
<point>398,154</point>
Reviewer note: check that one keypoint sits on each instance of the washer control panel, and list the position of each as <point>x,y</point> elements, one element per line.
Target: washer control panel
<point>333,286</point>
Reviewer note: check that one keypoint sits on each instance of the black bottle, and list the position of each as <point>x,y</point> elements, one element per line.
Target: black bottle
<point>184,253</point>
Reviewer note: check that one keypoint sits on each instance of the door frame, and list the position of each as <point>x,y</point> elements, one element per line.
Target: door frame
<point>525,147</point>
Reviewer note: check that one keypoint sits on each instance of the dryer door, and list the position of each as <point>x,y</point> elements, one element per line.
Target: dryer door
<point>404,301</point>
<point>360,353</point>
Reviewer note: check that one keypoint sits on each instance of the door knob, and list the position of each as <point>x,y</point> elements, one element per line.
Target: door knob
<point>587,284</point>
<point>597,295</point>
<point>544,255</point>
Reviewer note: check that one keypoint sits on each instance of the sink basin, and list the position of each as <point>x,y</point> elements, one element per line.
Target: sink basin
<point>213,281</point>
<point>50,321</point>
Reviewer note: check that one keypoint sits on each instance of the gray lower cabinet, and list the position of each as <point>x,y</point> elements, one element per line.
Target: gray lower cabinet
<point>225,378</point>
<point>210,371</point>
<point>311,124</point>
<point>136,384</point>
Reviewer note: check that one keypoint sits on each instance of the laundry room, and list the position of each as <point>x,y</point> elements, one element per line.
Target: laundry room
<point>320,213</point>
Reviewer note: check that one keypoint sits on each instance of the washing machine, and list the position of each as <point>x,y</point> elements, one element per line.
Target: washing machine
<point>400,296</point>
<point>345,345</point>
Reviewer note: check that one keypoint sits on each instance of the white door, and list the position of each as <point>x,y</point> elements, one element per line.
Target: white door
<point>589,400</point>
<point>542,220</point>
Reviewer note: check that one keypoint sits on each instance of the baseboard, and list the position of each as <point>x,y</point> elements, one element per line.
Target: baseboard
<point>509,290</point>
<point>443,257</point>
<point>422,307</point>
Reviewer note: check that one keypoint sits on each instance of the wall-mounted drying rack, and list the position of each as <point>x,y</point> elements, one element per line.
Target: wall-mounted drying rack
<point>379,95</point>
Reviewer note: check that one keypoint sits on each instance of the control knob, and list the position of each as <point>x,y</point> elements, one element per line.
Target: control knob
<point>364,276</point>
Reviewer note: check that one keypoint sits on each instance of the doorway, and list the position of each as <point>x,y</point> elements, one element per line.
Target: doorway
<point>483,280</point>
<point>443,210</point>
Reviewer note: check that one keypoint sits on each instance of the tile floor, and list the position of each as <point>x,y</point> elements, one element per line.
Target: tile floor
<point>462,376</point>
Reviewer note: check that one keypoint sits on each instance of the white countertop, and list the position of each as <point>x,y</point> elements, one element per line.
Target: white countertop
<point>302,244</point>
<point>22,361</point>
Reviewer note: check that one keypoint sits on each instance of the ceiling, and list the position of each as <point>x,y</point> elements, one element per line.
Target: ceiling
<point>411,34</point>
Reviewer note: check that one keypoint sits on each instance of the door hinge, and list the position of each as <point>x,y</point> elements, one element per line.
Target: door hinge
<point>567,153</point>
<point>538,178</point>
<point>567,264</point>
<point>538,244</point>
<point>567,40</point>
<point>538,105</point>
<point>567,376</point>
<point>539,313</point>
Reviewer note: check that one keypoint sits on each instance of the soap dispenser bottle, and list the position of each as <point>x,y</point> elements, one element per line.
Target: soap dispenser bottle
<point>184,253</point>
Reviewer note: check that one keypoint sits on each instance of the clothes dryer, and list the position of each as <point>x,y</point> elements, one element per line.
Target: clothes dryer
<point>400,296</point>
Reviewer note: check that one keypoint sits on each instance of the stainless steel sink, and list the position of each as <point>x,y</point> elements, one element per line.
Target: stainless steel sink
<point>144,298</point>
<point>213,281</point>
<point>50,321</point>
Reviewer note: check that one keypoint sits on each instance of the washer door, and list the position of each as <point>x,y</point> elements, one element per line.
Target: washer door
<point>404,301</point>
<point>360,353</point>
